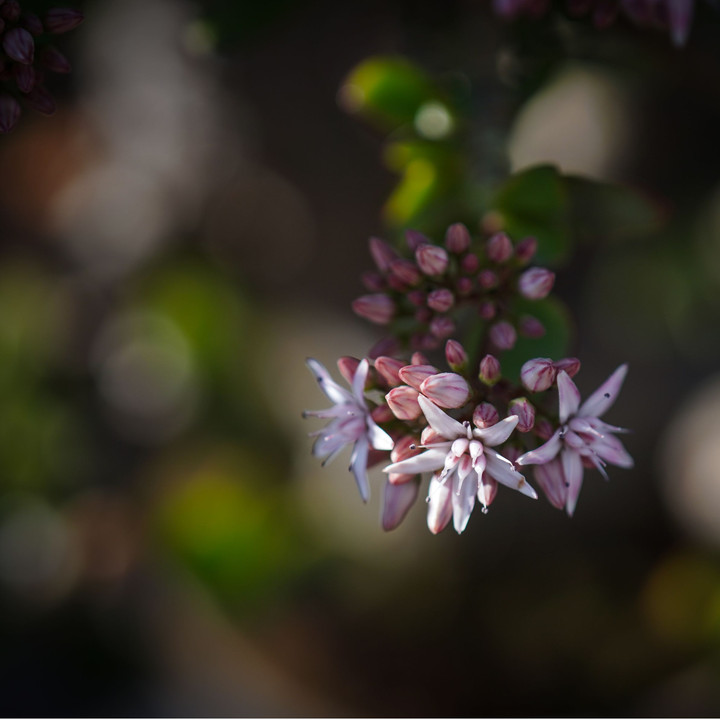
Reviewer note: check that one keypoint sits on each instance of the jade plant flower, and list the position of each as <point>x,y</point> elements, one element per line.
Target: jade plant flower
<point>351,423</point>
<point>464,465</point>
<point>582,438</point>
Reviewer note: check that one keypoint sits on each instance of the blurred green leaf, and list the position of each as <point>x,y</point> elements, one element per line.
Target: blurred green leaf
<point>534,202</point>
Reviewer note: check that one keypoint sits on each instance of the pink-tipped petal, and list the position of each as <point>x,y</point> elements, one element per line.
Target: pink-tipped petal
<point>498,433</point>
<point>569,396</point>
<point>440,508</point>
<point>429,461</point>
<point>543,454</point>
<point>605,395</point>
<point>397,501</point>
<point>573,471</point>
<point>503,471</point>
<point>551,480</point>
<point>610,449</point>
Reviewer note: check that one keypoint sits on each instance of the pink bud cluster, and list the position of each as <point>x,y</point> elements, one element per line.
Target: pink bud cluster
<point>425,291</point>
<point>455,413</point>
<point>26,57</point>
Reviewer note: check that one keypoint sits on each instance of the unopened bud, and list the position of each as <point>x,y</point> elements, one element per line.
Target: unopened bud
<point>382,254</point>
<point>377,308</point>
<point>433,260</point>
<point>414,239</point>
<point>455,355</point>
<point>31,22</point>
<point>415,375</point>
<point>487,310</point>
<point>464,286</point>
<point>525,250</point>
<point>485,415</point>
<point>384,346</point>
<point>448,390</point>
<point>417,358</point>
<point>544,429</point>
<point>60,20</point>
<point>488,279</point>
<point>538,374</point>
<point>397,501</point>
<point>440,300</point>
<point>503,335</point>
<point>347,366</point>
<point>55,61</point>
<point>403,401</point>
<point>531,327</point>
<point>395,283</point>
<point>499,248</point>
<point>373,281</point>
<point>442,327</point>
<point>9,113</point>
<point>406,271</point>
<point>469,263</point>
<point>24,77</point>
<point>404,448</point>
<point>489,370</point>
<point>423,315</point>
<point>570,365</point>
<point>457,238</point>
<point>429,435</point>
<point>512,453</point>
<point>525,413</point>
<point>19,45</point>
<point>536,283</point>
<point>382,414</point>
<point>389,369</point>
<point>41,100</point>
<point>10,10</point>
<point>417,298</point>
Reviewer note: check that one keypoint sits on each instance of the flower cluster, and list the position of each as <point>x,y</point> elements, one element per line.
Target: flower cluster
<point>466,424</point>
<point>673,15</point>
<point>26,55</point>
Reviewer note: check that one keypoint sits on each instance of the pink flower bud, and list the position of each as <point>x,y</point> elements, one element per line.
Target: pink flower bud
<point>415,239</point>
<point>417,298</point>
<point>499,248</point>
<point>487,310</point>
<point>41,100</point>
<point>389,369</point>
<point>404,448</point>
<point>9,113</point>
<point>512,453</point>
<point>394,283</point>
<point>457,238</point>
<point>373,281</point>
<point>428,341</point>
<point>406,271</point>
<point>429,436</point>
<point>423,315</point>
<point>382,254</point>
<point>384,346</point>
<point>544,429</point>
<point>538,374</point>
<point>488,279</point>
<point>464,286</point>
<point>455,355</point>
<point>347,366</point>
<point>55,61</point>
<point>448,390</point>
<point>433,260</point>
<point>403,401</point>
<point>503,335</point>
<point>60,20</point>
<point>525,412</point>
<point>441,300</point>
<point>485,415</point>
<point>489,370</point>
<point>531,327</point>
<point>536,283</point>
<point>415,375</point>
<point>570,365</point>
<point>31,22</point>
<point>469,263</point>
<point>525,250</point>
<point>24,77</point>
<point>442,327</point>
<point>377,308</point>
<point>397,501</point>
<point>382,414</point>
<point>417,358</point>
<point>19,45</point>
<point>10,10</point>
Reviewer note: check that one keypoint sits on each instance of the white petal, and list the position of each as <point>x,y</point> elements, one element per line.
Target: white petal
<point>569,396</point>
<point>430,460</point>
<point>379,439</point>
<point>497,433</point>
<point>358,385</point>
<point>440,507</point>
<point>439,421</point>
<point>502,470</point>
<point>573,471</point>
<point>335,392</point>
<point>605,395</point>
<point>397,500</point>
<point>358,465</point>
<point>463,500</point>
<point>544,453</point>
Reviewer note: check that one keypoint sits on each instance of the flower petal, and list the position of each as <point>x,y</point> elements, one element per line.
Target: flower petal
<point>358,384</point>
<point>379,439</point>
<point>545,453</point>
<point>498,433</point>
<point>463,499</point>
<point>358,465</point>
<point>503,471</point>
<point>551,480</point>
<point>439,421</point>
<point>335,392</point>
<point>573,471</point>
<point>605,395</point>
<point>569,396</point>
<point>432,459</point>
<point>397,500</point>
<point>440,507</point>
<point>610,449</point>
